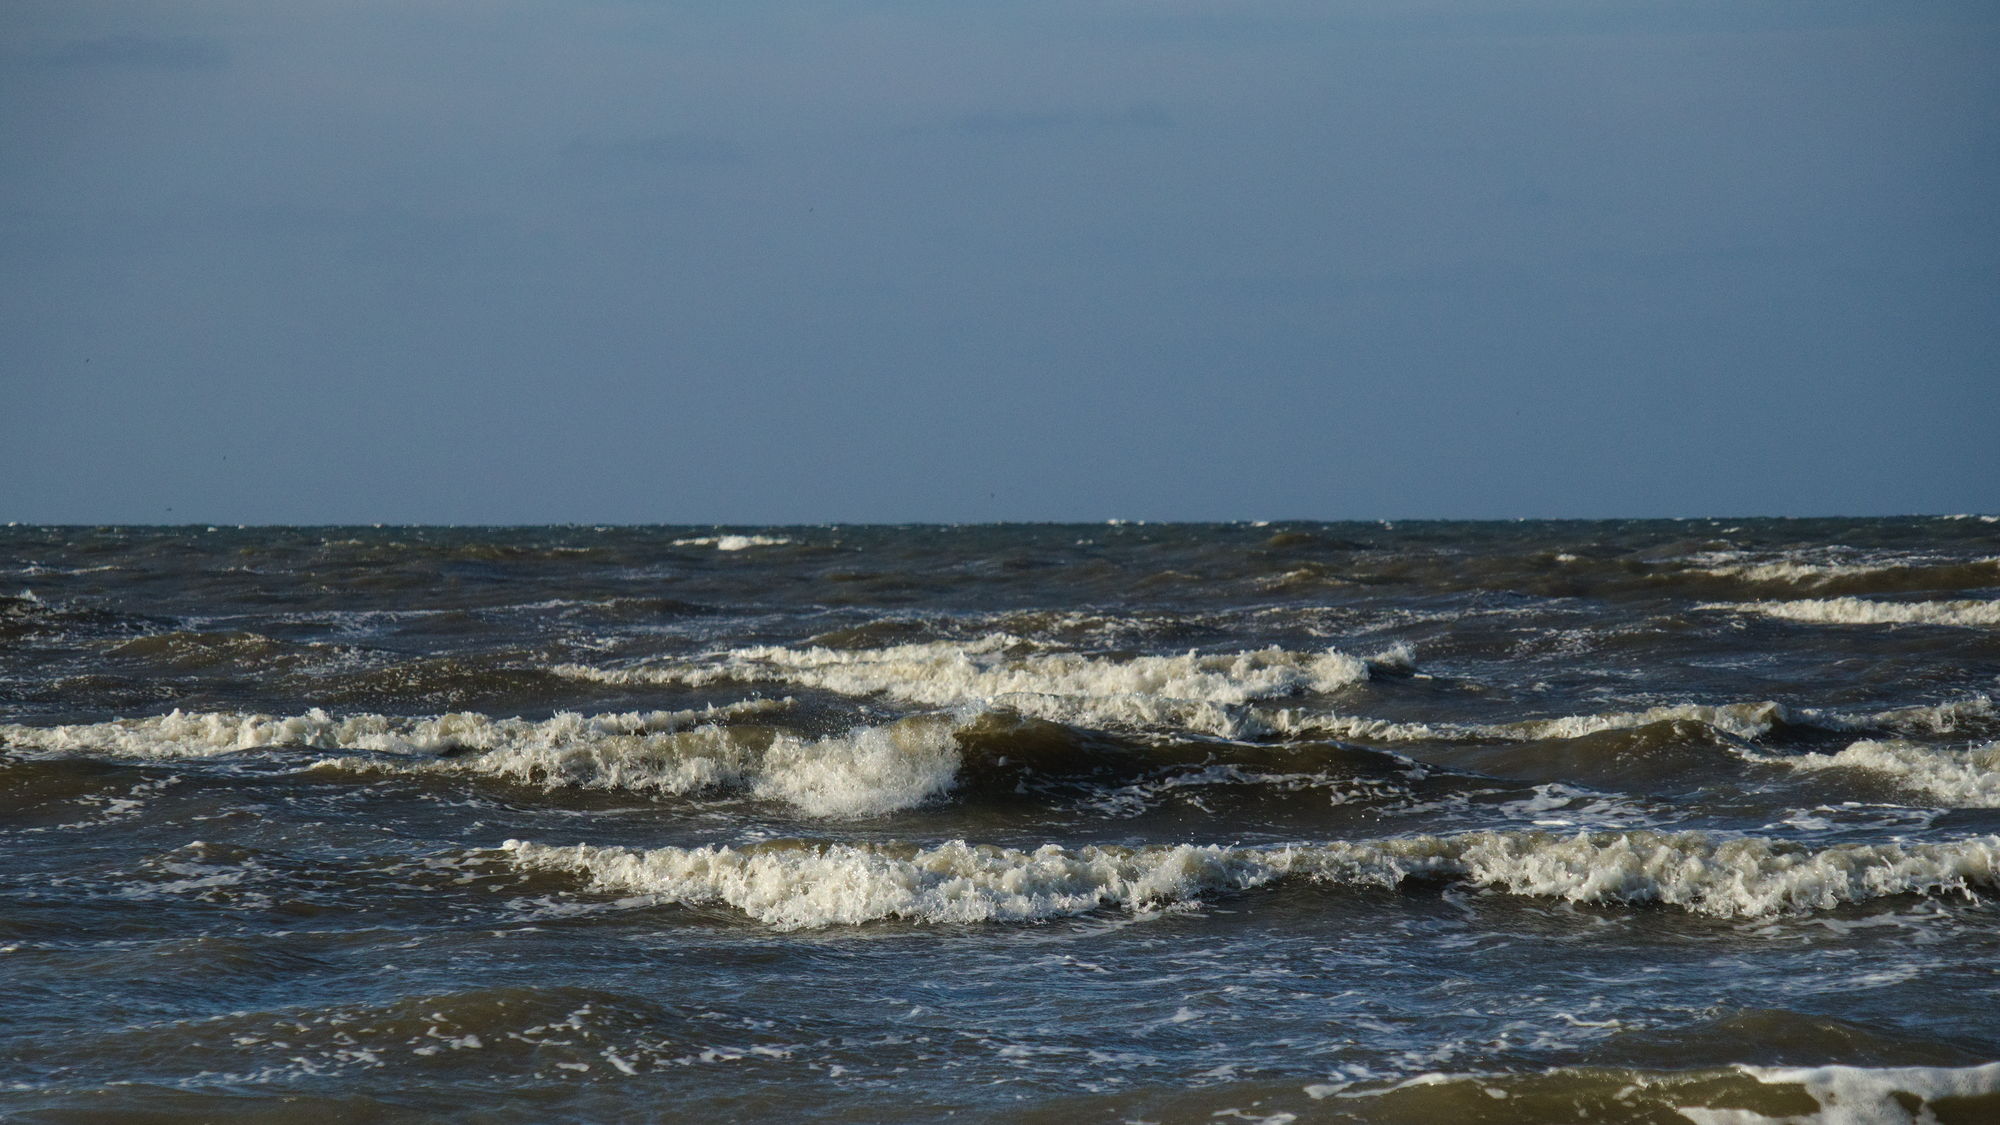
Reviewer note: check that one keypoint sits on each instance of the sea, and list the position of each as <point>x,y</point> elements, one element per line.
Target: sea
<point>1523,822</point>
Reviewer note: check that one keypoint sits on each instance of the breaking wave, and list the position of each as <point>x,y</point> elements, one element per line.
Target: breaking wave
<point>1748,721</point>
<point>1226,695</point>
<point>1735,1095</point>
<point>1952,778</point>
<point>1856,1094</point>
<point>1743,720</point>
<point>799,885</point>
<point>1194,691</point>
<point>734,542</point>
<point>1863,611</point>
<point>1846,577</point>
<point>865,771</point>
<point>205,734</point>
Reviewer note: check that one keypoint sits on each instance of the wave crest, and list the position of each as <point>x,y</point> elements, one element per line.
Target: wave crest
<point>799,885</point>
<point>860,772</point>
<point>1196,691</point>
<point>734,542</point>
<point>1965,779</point>
<point>1966,613</point>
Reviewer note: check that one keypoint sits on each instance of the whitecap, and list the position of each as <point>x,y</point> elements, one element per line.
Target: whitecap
<point>865,771</point>
<point>1966,613</point>
<point>793,885</point>
<point>734,542</point>
<point>1964,779</point>
<point>1197,691</point>
<point>1858,1095</point>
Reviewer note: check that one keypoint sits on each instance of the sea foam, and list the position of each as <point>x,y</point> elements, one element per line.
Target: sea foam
<point>734,542</point>
<point>1864,611</point>
<point>794,885</point>
<point>864,771</point>
<point>1742,720</point>
<point>1967,778</point>
<point>1197,691</point>
<point>203,734</point>
<point>1855,1095</point>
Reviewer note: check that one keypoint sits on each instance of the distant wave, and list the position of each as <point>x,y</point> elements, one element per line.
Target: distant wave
<point>1856,576</point>
<point>733,542</point>
<point>1863,611</point>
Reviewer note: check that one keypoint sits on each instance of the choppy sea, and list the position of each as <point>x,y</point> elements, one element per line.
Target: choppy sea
<point>1666,821</point>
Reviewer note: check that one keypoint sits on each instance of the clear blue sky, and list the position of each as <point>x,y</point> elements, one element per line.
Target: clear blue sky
<point>756,261</point>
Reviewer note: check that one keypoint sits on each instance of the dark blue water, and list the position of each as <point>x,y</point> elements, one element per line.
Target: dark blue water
<point>1667,821</point>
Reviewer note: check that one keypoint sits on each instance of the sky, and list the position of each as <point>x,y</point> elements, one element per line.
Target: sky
<point>758,261</point>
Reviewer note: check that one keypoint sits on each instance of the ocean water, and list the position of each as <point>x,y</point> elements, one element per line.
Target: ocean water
<point>1668,821</point>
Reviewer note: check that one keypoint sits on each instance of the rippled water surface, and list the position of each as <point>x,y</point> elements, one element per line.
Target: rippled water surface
<point>1653,821</point>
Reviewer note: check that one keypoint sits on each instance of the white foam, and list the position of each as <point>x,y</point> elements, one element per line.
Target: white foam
<point>1864,611</point>
<point>1796,573</point>
<point>734,542</point>
<point>1198,691</point>
<point>1354,728</point>
<point>793,885</point>
<point>865,771</point>
<point>1855,1095</point>
<point>181,734</point>
<point>1799,573</point>
<point>1964,779</point>
<point>1224,694</point>
<point>1935,718</point>
<point>1743,720</point>
<point>861,772</point>
<point>1749,721</point>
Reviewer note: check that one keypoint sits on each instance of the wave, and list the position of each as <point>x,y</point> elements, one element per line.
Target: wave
<point>1798,573</point>
<point>793,885</point>
<point>1733,1095</point>
<point>1965,779</point>
<point>734,542</point>
<point>1972,713</point>
<point>1747,721</point>
<point>1226,695</point>
<point>865,771</point>
<point>27,784</point>
<point>1740,720</point>
<point>999,753</point>
<point>26,616</point>
<point>1192,691</point>
<point>186,651</point>
<point>1865,1094</point>
<point>204,734</point>
<point>1863,611</point>
<point>1908,574</point>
